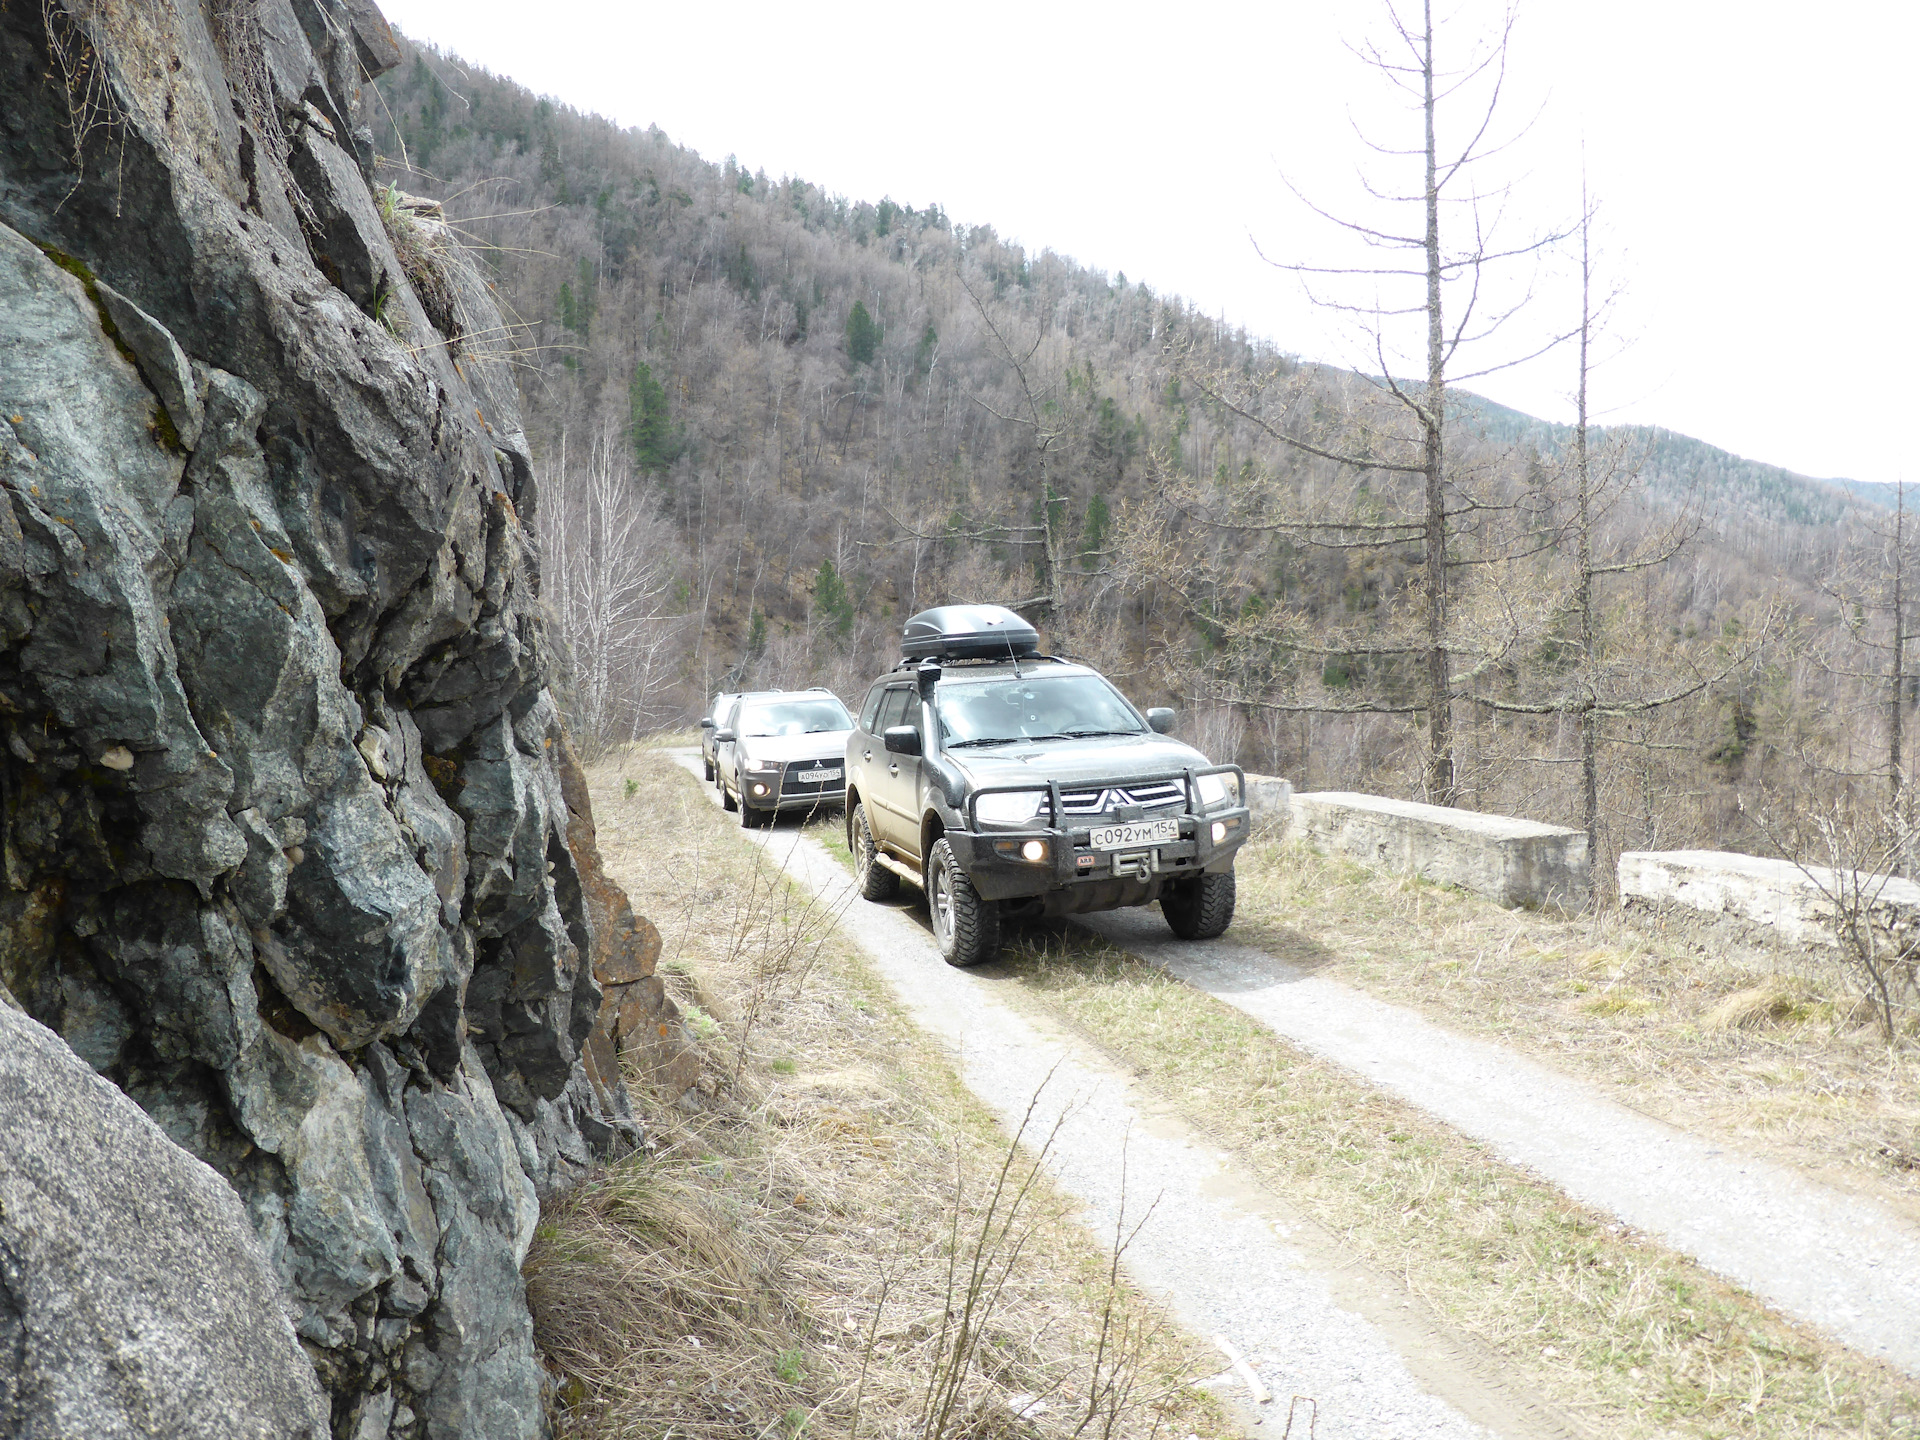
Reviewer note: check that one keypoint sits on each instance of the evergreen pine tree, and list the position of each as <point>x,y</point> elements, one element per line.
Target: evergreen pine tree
<point>832,599</point>
<point>655,445</point>
<point>863,335</point>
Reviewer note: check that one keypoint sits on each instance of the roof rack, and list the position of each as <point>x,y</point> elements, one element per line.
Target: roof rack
<point>914,662</point>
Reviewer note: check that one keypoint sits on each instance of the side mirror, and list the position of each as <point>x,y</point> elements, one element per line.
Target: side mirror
<point>901,740</point>
<point>1160,720</point>
<point>707,723</point>
<point>723,737</point>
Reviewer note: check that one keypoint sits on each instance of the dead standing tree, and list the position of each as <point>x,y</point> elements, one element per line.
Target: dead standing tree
<point>1456,313</point>
<point>1608,680</point>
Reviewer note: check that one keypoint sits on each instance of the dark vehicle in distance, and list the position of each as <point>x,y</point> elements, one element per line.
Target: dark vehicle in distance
<point>1009,783</point>
<point>710,723</point>
<point>782,750</point>
<point>724,706</point>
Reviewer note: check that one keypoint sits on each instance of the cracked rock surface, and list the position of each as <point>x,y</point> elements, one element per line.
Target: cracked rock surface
<point>292,848</point>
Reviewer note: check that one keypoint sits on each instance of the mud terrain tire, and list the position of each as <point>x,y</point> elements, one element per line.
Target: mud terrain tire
<point>1200,908</point>
<point>876,882</point>
<point>965,927</point>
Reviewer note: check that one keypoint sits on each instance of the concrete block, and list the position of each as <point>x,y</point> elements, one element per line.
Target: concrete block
<point>1516,862</point>
<point>1791,903</point>
<point>1270,799</point>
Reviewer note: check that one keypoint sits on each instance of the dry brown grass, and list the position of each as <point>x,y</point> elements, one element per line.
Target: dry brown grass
<point>814,1221</point>
<point>1605,1326</point>
<point>1765,1046</point>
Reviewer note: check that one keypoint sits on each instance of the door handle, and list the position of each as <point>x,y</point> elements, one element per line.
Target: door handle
<point>893,769</point>
<point>866,754</point>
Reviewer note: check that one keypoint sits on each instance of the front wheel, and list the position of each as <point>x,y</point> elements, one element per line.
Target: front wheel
<point>965,927</point>
<point>876,882</point>
<point>1200,908</point>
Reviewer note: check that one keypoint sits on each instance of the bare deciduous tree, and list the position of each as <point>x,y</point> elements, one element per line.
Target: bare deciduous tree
<point>605,569</point>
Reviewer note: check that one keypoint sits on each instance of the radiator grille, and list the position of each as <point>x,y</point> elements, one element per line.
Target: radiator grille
<point>1154,795</point>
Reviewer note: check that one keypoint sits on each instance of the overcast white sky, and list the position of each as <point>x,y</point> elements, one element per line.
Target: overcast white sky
<point>1754,164</point>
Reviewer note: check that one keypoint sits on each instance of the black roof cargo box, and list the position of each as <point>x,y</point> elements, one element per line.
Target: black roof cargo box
<point>968,632</point>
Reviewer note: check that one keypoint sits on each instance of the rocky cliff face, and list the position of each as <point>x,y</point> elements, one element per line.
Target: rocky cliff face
<point>288,850</point>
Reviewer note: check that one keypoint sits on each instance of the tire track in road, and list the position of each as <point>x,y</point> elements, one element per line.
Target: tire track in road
<point>1843,1264</point>
<point>1222,1253</point>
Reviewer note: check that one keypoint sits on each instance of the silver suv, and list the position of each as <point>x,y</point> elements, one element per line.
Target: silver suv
<point>782,750</point>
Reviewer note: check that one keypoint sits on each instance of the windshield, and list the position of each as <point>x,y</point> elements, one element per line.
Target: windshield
<point>795,717</point>
<point>1048,707</point>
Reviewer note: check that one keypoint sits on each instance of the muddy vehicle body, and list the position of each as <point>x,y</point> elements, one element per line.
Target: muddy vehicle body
<point>1007,783</point>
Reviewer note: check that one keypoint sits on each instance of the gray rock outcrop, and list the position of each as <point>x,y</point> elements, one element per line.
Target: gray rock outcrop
<point>286,850</point>
<point>135,1299</point>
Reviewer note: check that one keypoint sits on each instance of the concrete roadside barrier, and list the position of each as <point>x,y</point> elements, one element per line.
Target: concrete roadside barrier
<point>1516,862</point>
<point>1793,904</point>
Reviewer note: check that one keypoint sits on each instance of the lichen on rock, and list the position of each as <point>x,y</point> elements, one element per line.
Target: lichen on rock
<point>290,850</point>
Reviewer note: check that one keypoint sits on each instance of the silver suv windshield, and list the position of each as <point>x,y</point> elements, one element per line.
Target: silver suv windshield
<point>1053,707</point>
<point>795,717</point>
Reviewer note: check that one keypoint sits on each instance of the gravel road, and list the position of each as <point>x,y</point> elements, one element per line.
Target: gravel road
<point>1844,1264</point>
<point>1224,1255</point>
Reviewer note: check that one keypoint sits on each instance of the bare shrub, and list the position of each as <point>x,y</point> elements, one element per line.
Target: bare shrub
<point>1851,851</point>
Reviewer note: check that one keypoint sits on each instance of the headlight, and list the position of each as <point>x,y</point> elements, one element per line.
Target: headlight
<point>1218,789</point>
<point>1013,807</point>
<point>762,767</point>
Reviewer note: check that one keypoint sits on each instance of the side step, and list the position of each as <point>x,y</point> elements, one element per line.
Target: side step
<point>899,867</point>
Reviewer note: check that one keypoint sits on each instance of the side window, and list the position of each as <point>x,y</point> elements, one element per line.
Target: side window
<point>871,710</point>
<point>894,711</point>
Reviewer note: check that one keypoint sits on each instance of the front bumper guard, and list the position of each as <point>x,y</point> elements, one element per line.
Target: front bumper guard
<point>993,861</point>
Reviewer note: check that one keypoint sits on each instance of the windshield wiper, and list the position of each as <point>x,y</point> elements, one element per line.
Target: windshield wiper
<point>1085,734</point>
<point>986,740</point>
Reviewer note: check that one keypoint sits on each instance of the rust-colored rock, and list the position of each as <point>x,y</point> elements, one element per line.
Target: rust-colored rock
<point>636,1016</point>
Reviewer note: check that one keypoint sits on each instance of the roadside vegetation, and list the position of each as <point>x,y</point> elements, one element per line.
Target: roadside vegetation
<point>829,1237</point>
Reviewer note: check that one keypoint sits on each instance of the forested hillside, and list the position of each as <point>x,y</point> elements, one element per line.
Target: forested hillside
<point>769,422</point>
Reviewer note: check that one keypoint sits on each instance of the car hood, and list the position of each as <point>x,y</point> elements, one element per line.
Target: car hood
<point>1075,762</point>
<point>827,745</point>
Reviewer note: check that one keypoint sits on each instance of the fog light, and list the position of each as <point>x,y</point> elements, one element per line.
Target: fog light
<point>761,790</point>
<point>1219,831</point>
<point>1034,850</point>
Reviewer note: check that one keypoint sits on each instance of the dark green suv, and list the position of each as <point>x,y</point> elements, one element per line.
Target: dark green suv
<point>1010,783</point>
